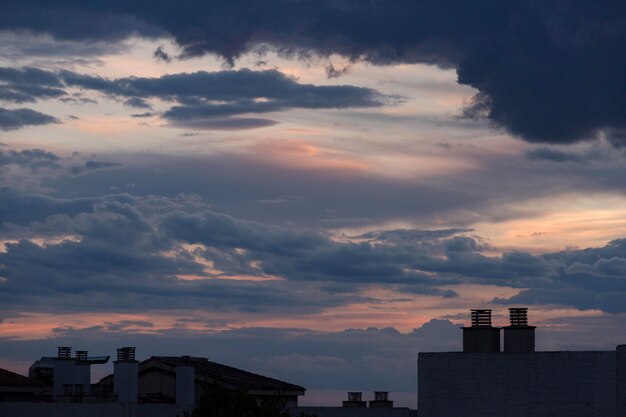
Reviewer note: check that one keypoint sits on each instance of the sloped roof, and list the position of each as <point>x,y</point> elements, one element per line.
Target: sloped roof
<point>11,379</point>
<point>227,375</point>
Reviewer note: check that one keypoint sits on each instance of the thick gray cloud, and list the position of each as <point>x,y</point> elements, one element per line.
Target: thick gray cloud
<point>31,158</point>
<point>547,71</point>
<point>552,155</point>
<point>28,85</point>
<point>205,100</point>
<point>120,259</point>
<point>130,251</point>
<point>92,165</point>
<point>13,119</point>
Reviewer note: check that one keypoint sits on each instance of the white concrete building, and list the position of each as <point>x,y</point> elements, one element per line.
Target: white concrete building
<point>483,381</point>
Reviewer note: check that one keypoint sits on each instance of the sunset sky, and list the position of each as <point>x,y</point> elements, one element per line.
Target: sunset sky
<point>314,190</point>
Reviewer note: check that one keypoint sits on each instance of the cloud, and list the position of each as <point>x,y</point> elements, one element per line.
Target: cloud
<point>204,100</point>
<point>344,358</point>
<point>137,103</point>
<point>160,55</point>
<point>32,158</point>
<point>13,119</point>
<point>91,165</point>
<point>28,85</point>
<point>548,72</point>
<point>552,155</point>
<point>134,252</point>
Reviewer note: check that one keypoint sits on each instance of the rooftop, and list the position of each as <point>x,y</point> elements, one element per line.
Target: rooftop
<point>11,379</point>
<point>215,372</point>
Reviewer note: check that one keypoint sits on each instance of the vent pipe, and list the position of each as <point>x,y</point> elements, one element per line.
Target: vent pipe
<point>355,399</point>
<point>519,337</point>
<point>481,336</point>
<point>64,352</point>
<point>381,400</point>
<point>126,376</point>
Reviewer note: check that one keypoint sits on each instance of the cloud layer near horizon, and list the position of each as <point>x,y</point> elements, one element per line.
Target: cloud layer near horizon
<point>547,71</point>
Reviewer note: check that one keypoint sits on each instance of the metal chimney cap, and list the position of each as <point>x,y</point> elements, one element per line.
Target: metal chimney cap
<point>126,353</point>
<point>481,317</point>
<point>64,352</point>
<point>518,316</point>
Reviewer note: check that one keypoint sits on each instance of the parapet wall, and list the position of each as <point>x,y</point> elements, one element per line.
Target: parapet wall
<point>537,384</point>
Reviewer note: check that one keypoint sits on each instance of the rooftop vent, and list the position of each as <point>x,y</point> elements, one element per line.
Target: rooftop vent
<point>355,396</point>
<point>381,396</point>
<point>481,318</point>
<point>81,355</point>
<point>381,400</point>
<point>355,399</point>
<point>481,336</point>
<point>519,337</point>
<point>518,317</point>
<point>126,353</point>
<point>64,352</point>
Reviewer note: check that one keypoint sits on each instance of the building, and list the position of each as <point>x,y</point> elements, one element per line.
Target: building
<point>485,380</point>
<point>161,386</point>
<point>69,378</point>
<point>163,378</point>
<point>18,388</point>
<point>356,406</point>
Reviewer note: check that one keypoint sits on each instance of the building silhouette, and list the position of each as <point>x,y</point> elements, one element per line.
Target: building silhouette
<point>517,381</point>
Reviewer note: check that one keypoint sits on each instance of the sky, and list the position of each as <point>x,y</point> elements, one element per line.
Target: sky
<point>315,190</point>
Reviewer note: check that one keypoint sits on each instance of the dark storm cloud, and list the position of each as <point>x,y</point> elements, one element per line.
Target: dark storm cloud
<point>547,71</point>
<point>206,100</point>
<point>13,119</point>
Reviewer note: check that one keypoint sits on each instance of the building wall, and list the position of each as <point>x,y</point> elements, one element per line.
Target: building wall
<point>153,380</point>
<point>538,384</point>
<point>621,381</point>
<point>90,410</point>
<point>353,412</point>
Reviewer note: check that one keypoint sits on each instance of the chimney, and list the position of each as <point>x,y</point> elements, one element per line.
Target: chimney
<point>63,377</point>
<point>82,373</point>
<point>481,337</point>
<point>64,352</point>
<point>185,383</point>
<point>519,337</point>
<point>126,376</point>
<point>381,400</point>
<point>355,399</point>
